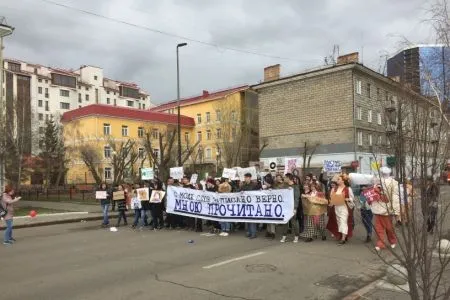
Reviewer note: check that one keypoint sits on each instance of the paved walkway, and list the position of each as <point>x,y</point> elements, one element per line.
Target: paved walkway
<point>65,206</point>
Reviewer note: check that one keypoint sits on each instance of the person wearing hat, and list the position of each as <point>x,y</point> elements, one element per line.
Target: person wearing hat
<point>248,185</point>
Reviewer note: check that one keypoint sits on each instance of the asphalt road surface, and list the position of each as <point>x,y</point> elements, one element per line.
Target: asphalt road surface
<point>83,261</point>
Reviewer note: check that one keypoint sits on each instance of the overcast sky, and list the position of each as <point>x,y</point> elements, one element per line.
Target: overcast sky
<point>300,32</point>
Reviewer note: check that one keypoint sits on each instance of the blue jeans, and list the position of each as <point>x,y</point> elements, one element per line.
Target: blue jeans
<point>105,208</point>
<point>143,217</point>
<point>252,229</point>
<point>8,230</point>
<point>137,216</point>
<point>225,226</point>
<point>366,216</point>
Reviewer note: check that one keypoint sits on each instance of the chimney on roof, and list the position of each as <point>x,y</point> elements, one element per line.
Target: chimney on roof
<point>272,72</point>
<point>205,93</point>
<point>348,58</point>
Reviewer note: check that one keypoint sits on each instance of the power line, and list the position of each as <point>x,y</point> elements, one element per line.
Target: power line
<point>98,15</point>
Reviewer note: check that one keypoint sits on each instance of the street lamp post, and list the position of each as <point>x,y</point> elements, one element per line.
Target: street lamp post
<point>217,160</point>
<point>5,30</point>
<point>178,104</point>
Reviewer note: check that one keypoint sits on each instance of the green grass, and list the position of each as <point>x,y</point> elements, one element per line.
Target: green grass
<point>25,211</point>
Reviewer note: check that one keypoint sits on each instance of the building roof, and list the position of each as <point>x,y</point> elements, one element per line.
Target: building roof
<point>125,113</point>
<point>204,97</point>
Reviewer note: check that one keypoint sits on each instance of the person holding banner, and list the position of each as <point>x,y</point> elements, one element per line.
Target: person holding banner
<point>289,180</point>
<point>340,218</point>
<point>315,209</point>
<point>269,184</point>
<point>248,185</point>
<point>224,187</point>
<point>156,207</point>
<point>136,206</point>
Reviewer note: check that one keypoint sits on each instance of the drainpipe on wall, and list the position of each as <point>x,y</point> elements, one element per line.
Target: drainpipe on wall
<point>354,125</point>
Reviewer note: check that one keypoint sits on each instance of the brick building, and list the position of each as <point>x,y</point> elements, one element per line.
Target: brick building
<point>342,112</point>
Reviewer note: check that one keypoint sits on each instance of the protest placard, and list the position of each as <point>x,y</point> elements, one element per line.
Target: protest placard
<point>147,174</point>
<point>101,195</point>
<point>177,173</point>
<point>242,171</point>
<point>228,173</point>
<point>290,164</point>
<point>142,194</point>
<point>194,178</point>
<point>157,196</point>
<point>265,206</point>
<point>119,195</point>
<point>332,166</point>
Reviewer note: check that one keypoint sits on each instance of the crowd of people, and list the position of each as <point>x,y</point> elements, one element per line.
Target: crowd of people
<point>382,205</point>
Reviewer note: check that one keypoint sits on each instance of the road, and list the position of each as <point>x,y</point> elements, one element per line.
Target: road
<point>83,261</point>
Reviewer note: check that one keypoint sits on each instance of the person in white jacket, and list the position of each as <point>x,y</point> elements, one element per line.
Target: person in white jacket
<point>388,204</point>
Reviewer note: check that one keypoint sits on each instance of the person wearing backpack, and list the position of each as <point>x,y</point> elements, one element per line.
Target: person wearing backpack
<point>7,205</point>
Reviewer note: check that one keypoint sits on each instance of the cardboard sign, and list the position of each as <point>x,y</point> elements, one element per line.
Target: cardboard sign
<point>228,173</point>
<point>147,174</point>
<point>157,196</point>
<point>176,173</point>
<point>242,171</point>
<point>142,194</point>
<point>119,195</point>
<point>194,178</point>
<point>101,195</point>
<point>332,166</point>
<point>337,199</point>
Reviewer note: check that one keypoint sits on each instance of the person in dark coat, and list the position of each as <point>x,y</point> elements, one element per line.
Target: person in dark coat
<point>248,185</point>
<point>156,209</point>
<point>105,203</point>
<point>430,204</point>
<point>122,207</point>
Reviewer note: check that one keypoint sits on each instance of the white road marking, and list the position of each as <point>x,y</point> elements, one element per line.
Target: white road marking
<point>233,260</point>
<point>54,215</point>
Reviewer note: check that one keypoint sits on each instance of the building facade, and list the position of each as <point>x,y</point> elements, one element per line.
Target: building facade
<point>99,126</point>
<point>50,92</point>
<point>343,112</point>
<point>226,125</point>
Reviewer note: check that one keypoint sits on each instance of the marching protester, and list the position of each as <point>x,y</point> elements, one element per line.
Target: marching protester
<point>314,222</point>
<point>366,213</point>
<point>224,187</point>
<point>289,179</point>
<point>7,204</point>
<point>145,207</point>
<point>214,226</point>
<point>340,220</point>
<point>248,185</point>
<point>136,206</point>
<point>430,204</point>
<point>269,184</point>
<point>171,219</point>
<point>156,207</point>
<point>105,203</point>
<point>122,207</point>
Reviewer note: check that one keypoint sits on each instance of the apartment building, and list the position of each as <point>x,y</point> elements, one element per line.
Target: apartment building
<point>48,92</point>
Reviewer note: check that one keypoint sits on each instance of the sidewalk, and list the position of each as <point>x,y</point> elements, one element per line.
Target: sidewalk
<point>64,206</point>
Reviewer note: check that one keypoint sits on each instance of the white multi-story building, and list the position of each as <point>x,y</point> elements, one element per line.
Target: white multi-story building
<point>49,92</point>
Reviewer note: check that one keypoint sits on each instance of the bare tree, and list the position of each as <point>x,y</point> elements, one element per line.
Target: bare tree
<point>124,157</point>
<point>91,158</point>
<point>309,149</point>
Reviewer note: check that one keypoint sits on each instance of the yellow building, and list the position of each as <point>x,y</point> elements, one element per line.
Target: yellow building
<point>226,125</point>
<point>96,133</point>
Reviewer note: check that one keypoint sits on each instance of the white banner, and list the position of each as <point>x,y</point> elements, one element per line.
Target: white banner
<point>242,171</point>
<point>176,173</point>
<point>266,206</point>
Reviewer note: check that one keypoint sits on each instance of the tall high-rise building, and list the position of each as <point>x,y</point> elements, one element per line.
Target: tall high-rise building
<point>426,68</point>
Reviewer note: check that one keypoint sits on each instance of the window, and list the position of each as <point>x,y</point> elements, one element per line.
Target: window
<point>64,93</point>
<point>64,80</point>
<point>86,97</point>
<point>79,98</point>
<point>107,92</point>
<point>41,117</point>
<point>41,130</point>
<point>199,136</point>
<point>40,90</point>
<point>368,86</point>
<point>39,103</point>
<point>219,115</point>
<point>124,130</point>
<point>219,133</point>
<point>141,153</point>
<point>379,118</point>
<point>130,103</point>
<point>199,119</point>
<point>107,173</point>
<point>233,132</point>
<point>108,101</point>
<point>107,151</point>
<point>47,117</point>
<point>40,80</point>
<point>106,129</point>
<point>208,117</point>
<point>143,106</point>
<point>13,67</point>
<point>128,92</point>
<point>46,93</point>
<point>369,116</point>
<point>95,77</point>
<point>155,133</point>
<point>208,153</point>
<point>370,139</point>
<point>358,87</point>
<point>208,135</point>
<point>86,88</point>
<point>64,105</point>
<point>46,106</point>
<point>115,102</point>
<point>360,138</point>
<point>186,137</point>
<point>380,140</point>
<point>233,115</point>
<point>378,94</point>
<point>358,113</point>
<point>140,132</point>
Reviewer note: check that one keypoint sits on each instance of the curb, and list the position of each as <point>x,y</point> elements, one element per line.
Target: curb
<point>66,221</point>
